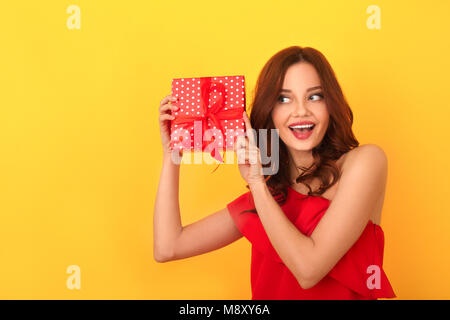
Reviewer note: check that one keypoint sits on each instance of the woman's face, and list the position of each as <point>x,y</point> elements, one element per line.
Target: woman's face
<point>301,100</point>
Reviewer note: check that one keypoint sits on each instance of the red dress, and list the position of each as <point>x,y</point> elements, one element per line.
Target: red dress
<point>349,278</point>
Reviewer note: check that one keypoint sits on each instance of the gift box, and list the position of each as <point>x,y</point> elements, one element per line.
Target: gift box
<point>210,114</point>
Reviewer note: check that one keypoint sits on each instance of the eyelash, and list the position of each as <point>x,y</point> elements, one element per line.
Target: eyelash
<point>315,94</point>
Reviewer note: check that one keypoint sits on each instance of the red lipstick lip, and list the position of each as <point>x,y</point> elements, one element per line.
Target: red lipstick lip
<point>300,123</point>
<point>302,135</point>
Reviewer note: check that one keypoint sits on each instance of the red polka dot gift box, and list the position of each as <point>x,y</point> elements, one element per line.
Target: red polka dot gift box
<point>209,118</point>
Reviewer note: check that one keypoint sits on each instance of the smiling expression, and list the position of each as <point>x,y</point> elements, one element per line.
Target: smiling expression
<point>301,114</point>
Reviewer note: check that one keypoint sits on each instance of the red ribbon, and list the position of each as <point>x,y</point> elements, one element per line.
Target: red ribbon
<point>215,113</point>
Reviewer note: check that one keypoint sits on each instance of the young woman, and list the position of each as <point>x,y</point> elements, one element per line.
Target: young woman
<point>314,225</point>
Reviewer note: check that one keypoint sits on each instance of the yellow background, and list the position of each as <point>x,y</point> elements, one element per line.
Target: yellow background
<point>81,152</point>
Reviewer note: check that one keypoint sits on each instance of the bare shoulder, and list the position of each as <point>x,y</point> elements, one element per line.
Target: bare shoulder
<point>365,156</point>
<point>360,163</point>
<point>366,166</point>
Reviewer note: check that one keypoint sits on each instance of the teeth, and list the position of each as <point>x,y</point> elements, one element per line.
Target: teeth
<point>303,126</point>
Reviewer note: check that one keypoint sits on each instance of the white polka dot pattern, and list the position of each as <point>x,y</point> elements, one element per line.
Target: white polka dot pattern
<point>189,99</point>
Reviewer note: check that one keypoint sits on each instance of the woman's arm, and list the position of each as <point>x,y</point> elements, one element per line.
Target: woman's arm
<point>166,217</point>
<point>172,241</point>
<point>362,183</point>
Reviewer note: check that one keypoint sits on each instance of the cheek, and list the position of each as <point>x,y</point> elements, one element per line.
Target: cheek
<point>277,117</point>
<point>323,116</point>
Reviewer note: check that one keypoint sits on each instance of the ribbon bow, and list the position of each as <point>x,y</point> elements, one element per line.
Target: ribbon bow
<point>215,112</point>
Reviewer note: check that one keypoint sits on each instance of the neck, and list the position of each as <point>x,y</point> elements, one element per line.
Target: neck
<point>297,160</point>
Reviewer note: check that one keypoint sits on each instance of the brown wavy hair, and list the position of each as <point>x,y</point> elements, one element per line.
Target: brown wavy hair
<point>338,139</point>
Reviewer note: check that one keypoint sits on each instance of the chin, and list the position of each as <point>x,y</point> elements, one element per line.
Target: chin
<point>304,147</point>
<point>301,145</point>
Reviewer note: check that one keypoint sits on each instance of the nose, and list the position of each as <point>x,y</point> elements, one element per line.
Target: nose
<point>300,109</point>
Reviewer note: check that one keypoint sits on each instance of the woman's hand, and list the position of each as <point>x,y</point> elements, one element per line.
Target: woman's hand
<point>165,110</point>
<point>248,156</point>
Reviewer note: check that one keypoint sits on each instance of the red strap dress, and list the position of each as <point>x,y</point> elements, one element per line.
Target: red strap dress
<point>272,280</point>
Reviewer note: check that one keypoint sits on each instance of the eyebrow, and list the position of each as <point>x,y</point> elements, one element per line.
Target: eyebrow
<point>307,90</point>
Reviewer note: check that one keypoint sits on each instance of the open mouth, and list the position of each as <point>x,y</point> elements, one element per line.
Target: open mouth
<point>302,128</point>
<point>303,131</point>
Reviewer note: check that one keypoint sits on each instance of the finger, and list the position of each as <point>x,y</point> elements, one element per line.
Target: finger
<point>251,157</point>
<point>178,152</point>
<point>241,144</point>
<point>166,116</point>
<point>249,130</point>
<point>240,156</point>
<point>240,149</point>
<point>236,144</point>
<point>168,107</point>
<point>246,154</point>
<point>167,99</point>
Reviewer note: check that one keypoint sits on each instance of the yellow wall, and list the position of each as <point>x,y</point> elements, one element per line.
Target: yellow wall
<point>81,154</point>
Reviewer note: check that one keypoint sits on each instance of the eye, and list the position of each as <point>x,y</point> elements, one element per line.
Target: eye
<point>280,98</point>
<point>316,96</point>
